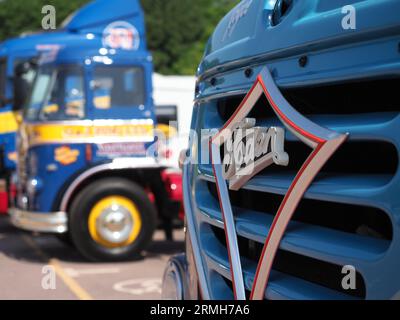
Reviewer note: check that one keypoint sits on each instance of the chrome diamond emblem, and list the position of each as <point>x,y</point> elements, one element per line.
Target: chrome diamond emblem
<point>237,173</point>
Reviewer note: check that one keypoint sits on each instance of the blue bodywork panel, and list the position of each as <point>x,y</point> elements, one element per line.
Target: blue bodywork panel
<point>246,39</point>
<point>7,140</point>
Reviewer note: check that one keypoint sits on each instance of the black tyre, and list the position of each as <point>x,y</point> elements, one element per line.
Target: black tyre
<point>112,219</point>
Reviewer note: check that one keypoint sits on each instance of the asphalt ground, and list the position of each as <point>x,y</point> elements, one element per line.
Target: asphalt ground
<point>41,267</point>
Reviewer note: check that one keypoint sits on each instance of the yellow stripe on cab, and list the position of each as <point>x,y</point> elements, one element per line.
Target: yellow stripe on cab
<point>91,132</point>
<point>8,122</point>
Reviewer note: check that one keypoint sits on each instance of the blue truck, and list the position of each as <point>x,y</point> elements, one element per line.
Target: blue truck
<point>291,179</point>
<point>93,26</point>
<point>85,28</point>
<point>88,167</point>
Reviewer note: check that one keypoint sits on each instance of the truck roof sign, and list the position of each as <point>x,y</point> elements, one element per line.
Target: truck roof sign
<point>121,35</point>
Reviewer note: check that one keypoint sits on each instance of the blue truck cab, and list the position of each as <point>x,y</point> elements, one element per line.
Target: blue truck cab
<point>96,25</point>
<point>310,87</point>
<point>87,160</point>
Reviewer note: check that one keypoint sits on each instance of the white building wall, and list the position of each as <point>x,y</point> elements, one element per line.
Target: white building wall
<point>179,91</point>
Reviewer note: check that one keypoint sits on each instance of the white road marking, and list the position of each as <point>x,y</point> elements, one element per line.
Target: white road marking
<point>74,273</point>
<point>72,284</point>
<point>138,287</point>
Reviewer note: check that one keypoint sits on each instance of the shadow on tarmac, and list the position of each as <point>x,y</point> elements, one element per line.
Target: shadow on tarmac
<point>27,246</point>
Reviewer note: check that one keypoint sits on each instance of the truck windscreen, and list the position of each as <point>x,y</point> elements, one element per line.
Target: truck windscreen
<point>57,94</point>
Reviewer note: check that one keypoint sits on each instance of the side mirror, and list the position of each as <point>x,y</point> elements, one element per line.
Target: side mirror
<point>22,68</point>
<point>21,84</point>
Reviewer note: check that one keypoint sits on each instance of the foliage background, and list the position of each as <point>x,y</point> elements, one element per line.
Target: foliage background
<point>177,30</point>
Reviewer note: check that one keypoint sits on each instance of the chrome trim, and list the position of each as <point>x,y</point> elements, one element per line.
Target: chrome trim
<point>115,224</point>
<point>116,164</point>
<point>191,229</point>
<point>269,144</point>
<point>215,96</point>
<point>53,222</point>
<point>229,225</point>
<point>324,143</point>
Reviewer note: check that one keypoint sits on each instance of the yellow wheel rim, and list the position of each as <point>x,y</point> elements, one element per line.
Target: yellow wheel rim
<point>114,222</point>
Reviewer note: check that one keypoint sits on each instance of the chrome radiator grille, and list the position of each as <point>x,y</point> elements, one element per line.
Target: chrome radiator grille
<point>345,218</point>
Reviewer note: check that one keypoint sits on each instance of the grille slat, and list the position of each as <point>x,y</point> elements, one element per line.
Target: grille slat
<point>374,119</point>
<point>348,188</point>
<point>281,286</point>
<point>343,248</point>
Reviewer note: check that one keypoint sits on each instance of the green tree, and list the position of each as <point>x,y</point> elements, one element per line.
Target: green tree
<point>177,31</point>
<point>18,16</point>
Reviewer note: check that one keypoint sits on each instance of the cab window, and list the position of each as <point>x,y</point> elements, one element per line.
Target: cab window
<point>118,87</point>
<point>58,94</point>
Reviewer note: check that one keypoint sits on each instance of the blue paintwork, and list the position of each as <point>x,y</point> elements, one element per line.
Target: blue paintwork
<point>84,30</point>
<point>314,28</point>
<point>8,142</point>
<point>54,184</point>
<point>51,183</point>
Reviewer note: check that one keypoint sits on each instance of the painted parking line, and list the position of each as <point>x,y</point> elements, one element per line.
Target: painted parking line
<point>71,283</point>
<point>138,287</point>
<point>75,273</point>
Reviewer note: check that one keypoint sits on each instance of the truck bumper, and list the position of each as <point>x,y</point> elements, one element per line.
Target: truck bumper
<point>53,222</point>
